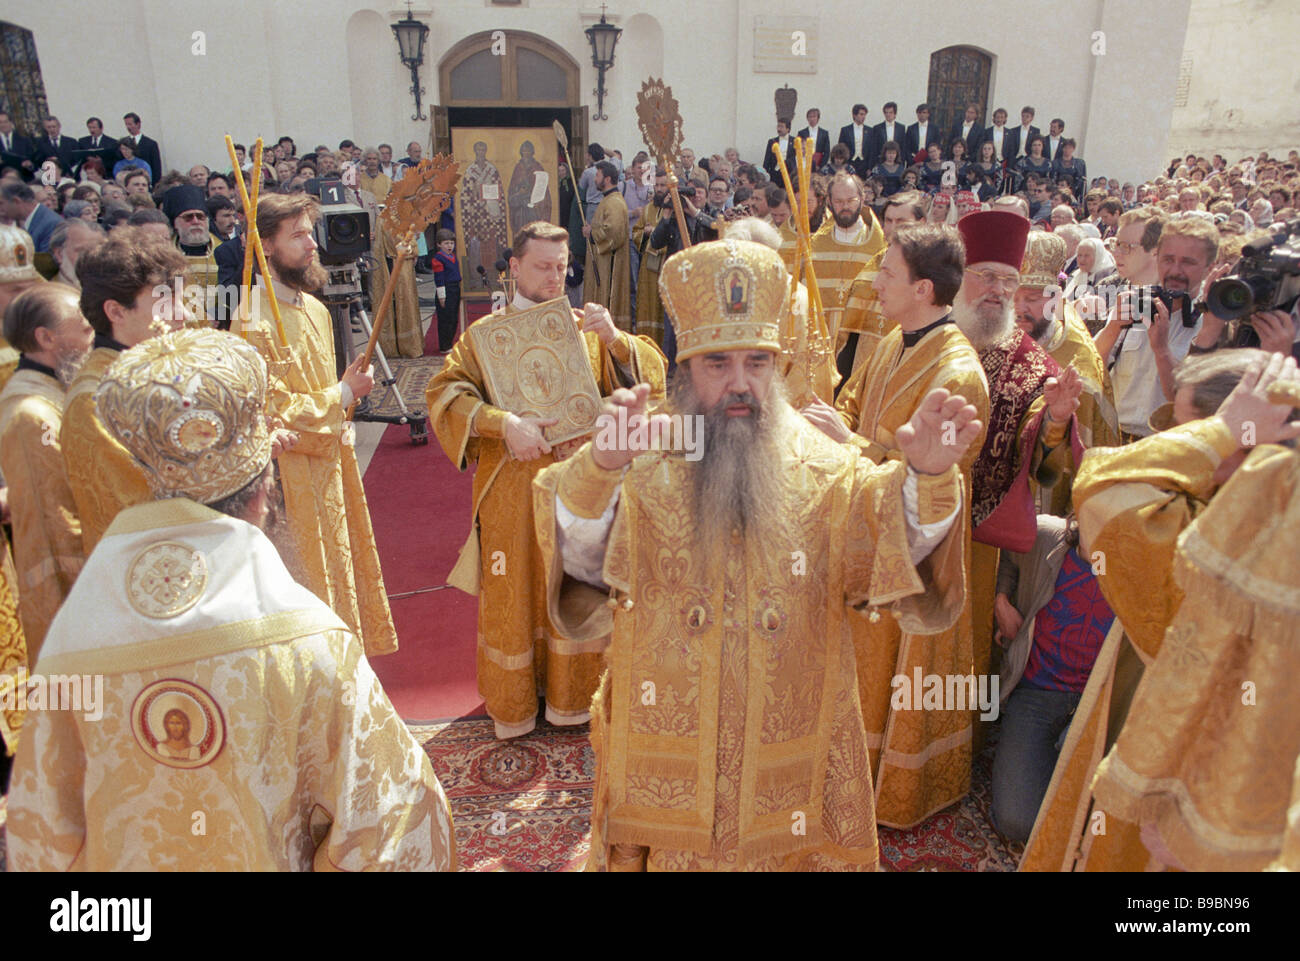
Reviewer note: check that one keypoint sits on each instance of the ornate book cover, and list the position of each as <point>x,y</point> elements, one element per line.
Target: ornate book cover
<point>535,362</point>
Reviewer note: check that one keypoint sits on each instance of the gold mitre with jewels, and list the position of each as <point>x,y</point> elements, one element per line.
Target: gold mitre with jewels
<point>1044,258</point>
<point>190,407</point>
<point>17,256</point>
<point>725,295</point>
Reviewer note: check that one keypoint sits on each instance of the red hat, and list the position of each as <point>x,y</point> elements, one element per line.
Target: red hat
<point>996,236</point>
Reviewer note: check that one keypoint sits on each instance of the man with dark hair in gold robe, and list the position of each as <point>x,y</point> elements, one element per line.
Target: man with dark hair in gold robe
<point>519,652</point>
<point>727,730</point>
<point>1146,525</point>
<point>920,759</point>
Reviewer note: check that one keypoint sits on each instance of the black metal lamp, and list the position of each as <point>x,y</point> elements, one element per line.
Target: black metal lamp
<point>411,34</point>
<point>603,36</point>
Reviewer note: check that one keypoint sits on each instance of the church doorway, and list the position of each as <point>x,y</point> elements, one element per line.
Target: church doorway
<point>22,90</point>
<point>959,76</point>
<point>501,92</point>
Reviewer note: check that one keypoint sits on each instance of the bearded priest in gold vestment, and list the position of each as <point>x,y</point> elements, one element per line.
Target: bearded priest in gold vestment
<point>325,503</point>
<point>1055,326</point>
<point>519,652</point>
<point>217,715</point>
<point>920,759</point>
<point>1134,504</point>
<point>727,731</point>
<point>53,339</point>
<point>118,280</point>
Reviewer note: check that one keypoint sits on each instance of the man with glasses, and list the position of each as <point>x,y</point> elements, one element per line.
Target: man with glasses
<point>187,211</point>
<point>1031,409</point>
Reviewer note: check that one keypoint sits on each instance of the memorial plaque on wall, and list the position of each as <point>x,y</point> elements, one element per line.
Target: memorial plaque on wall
<point>785,44</point>
<point>535,363</point>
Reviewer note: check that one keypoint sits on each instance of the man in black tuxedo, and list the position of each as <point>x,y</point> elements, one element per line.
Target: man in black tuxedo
<point>821,138</point>
<point>1018,138</point>
<point>105,147</point>
<point>999,136</point>
<point>886,131</point>
<point>18,147</point>
<point>970,130</point>
<point>55,145</point>
<point>1055,137</point>
<point>857,137</point>
<point>229,257</point>
<point>786,143</point>
<point>145,147</point>
<point>921,134</point>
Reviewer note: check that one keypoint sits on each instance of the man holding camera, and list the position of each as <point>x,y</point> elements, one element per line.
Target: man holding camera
<point>1150,329</point>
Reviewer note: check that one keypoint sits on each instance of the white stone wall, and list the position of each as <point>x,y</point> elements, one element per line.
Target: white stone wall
<point>323,70</point>
<point>1244,90</point>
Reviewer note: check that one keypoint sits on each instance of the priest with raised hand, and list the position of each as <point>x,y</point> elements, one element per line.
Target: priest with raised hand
<point>233,723</point>
<point>331,539</point>
<point>1032,429</point>
<point>520,655</point>
<point>608,277</point>
<point>727,729</point>
<point>920,759</point>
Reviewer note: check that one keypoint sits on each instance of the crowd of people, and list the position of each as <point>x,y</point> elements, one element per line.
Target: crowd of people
<point>1000,462</point>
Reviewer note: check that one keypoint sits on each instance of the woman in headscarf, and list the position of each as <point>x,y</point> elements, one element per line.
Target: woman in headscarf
<point>1095,265</point>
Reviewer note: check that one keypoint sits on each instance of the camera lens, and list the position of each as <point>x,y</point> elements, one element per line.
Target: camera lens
<point>1230,298</point>
<point>343,230</point>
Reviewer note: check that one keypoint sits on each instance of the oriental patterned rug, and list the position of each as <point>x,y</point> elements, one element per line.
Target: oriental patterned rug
<point>412,376</point>
<point>525,805</point>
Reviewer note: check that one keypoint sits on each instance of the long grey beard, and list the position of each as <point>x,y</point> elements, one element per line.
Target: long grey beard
<point>981,332</point>
<point>737,484</point>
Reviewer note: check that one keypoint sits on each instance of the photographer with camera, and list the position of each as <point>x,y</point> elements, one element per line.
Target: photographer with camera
<point>1151,328</point>
<point>1255,299</point>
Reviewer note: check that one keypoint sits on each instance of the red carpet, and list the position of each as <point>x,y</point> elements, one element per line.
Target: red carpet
<point>419,506</point>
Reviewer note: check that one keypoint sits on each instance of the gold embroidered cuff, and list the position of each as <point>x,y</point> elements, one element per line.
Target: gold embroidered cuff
<point>490,421</point>
<point>585,487</point>
<point>621,349</point>
<point>938,495</point>
<point>1215,432</point>
<point>1053,432</point>
<point>869,449</point>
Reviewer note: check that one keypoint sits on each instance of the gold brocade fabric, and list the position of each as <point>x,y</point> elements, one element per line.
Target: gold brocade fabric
<point>1204,764</point>
<point>862,314</point>
<point>324,499</point>
<point>609,256</point>
<point>233,722</point>
<point>1132,503</point>
<point>926,754</point>
<point>733,738</point>
<point>47,534</point>
<point>519,654</point>
<point>379,185</point>
<point>1096,417</point>
<point>403,334</point>
<point>13,648</point>
<point>836,264</point>
<point>202,273</point>
<point>104,478</point>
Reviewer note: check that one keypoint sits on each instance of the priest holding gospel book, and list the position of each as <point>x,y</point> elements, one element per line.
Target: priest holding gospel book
<point>519,652</point>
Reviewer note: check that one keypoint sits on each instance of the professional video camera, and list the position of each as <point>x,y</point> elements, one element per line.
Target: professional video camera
<point>1267,278</point>
<point>343,231</point>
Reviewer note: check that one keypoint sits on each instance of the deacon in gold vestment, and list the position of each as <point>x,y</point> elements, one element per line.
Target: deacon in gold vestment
<point>842,246</point>
<point>608,274</point>
<point>187,212</point>
<point>649,310</point>
<point>324,499</point>
<point>727,731</point>
<point>199,680</point>
<point>920,759</point>
<point>519,652</point>
<point>1055,326</point>
<point>118,279</point>
<point>1134,504</point>
<point>46,325</point>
